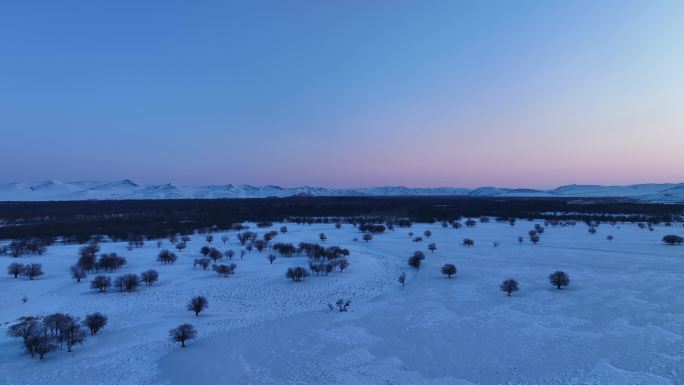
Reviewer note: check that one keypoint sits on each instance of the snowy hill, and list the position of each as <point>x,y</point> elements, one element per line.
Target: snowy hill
<point>127,189</point>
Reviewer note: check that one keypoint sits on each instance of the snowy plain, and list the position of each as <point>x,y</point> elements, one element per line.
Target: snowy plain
<point>621,320</point>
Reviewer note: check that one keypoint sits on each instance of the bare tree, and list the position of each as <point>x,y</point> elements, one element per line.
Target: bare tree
<point>215,254</point>
<point>167,257</point>
<point>342,264</point>
<point>15,268</point>
<point>449,269</point>
<point>126,282</point>
<point>297,274</point>
<point>432,247</point>
<point>101,283</point>
<point>230,254</point>
<point>225,270</point>
<point>367,237</point>
<point>198,304</point>
<point>33,270</point>
<point>180,246</point>
<point>415,261</point>
<point>40,344</point>
<point>283,229</point>
<point>78,273</point>
<point>558,279</point>
<point>509,286</point>
<point>24,328</point>
<point>467,242</point>
<point>95,322</point>
<point>202,262</point>
<point>260,245</point>
<point>322,237</point>
<point>149,277</point>
<point>224,239</point>
<point>271,258</point>
<point>182,333</point>
<point>209,238</point>
<point>427,233</point>
<point>71,332</point>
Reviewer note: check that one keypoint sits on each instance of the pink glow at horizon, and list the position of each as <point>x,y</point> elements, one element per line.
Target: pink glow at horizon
<point>351,94</point>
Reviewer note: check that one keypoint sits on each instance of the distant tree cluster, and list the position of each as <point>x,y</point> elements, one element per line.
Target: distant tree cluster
<point>87,261</point>
<point>297,274</point>
<point>224,270</point>
<point>30,270</point>
<point>32,245</point>
<point>167,257</point>
<point>371,228</point>
<point>42,335</point>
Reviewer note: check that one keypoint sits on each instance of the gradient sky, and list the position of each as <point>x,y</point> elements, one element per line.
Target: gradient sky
<point>343,93</point>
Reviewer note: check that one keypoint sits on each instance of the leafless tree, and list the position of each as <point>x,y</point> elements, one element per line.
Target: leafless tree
<point>33,270</point>
<point>198,304</point>
<point>508,286</point>
<point>101,283</point>
<point>559,278</point>
<point>149,277</point>
<point>15,268</point>
<point>182,333</point>
<point>78,273</point>
<point>95,322</point>
<point>449,269</point>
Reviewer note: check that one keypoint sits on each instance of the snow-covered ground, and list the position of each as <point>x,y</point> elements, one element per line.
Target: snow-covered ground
<point>620,321</point>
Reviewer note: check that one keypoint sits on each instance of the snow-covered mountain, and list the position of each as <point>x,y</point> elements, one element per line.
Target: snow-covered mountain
<point>127,189</point>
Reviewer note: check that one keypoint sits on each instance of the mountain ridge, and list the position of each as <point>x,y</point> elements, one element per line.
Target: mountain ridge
<point>127,189</point>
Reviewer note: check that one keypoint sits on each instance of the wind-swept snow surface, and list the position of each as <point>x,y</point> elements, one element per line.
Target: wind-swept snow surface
<point>620,321</point>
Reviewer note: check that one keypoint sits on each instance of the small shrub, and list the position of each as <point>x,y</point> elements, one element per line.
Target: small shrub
<point>673,240</point>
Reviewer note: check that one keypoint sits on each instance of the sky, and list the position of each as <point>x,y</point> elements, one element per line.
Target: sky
<point>343,93</point>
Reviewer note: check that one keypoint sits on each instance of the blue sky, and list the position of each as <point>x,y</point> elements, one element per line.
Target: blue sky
<point>343,93</point>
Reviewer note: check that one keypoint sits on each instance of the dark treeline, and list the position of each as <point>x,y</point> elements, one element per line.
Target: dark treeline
<point>79,220</point>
